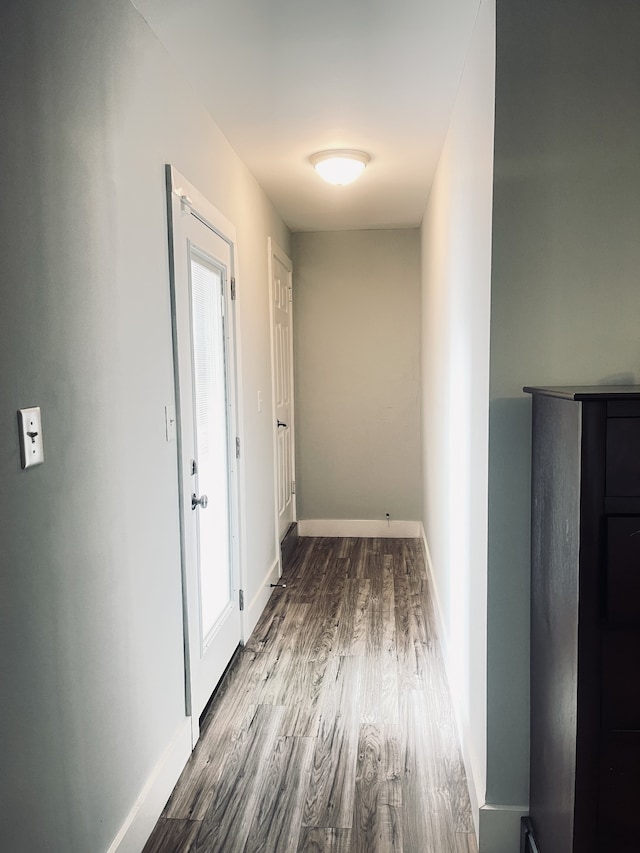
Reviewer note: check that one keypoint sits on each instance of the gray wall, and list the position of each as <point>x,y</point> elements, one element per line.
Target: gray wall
<point>90,610</point>
<point>565,287</point>
<point>456,284</point>
<point>357,346</point>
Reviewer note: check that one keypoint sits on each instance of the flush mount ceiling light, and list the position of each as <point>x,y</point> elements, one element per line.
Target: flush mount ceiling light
<point>339,167</point>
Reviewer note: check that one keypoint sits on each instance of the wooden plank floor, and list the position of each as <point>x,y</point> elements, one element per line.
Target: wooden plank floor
<point>333,730</point>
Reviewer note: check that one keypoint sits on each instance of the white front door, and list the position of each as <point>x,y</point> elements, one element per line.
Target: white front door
<point>205,380</point>
<point>281,291</point>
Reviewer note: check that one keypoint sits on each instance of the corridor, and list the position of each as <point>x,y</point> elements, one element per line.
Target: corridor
<point>333,728</point>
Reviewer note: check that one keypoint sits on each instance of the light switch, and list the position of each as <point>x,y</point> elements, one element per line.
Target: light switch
<point>170,422</point>
<point>31,444</point>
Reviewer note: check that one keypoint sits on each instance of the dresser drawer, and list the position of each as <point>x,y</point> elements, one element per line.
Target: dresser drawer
<point>623,457</point>
<point>620,682</point>
<point>618,793</point>
<point>623,570</point>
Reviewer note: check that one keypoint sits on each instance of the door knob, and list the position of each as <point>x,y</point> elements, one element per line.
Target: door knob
<point>202,501</point>
<point>281,424</point>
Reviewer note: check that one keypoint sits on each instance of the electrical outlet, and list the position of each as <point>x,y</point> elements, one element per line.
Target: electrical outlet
<point>31,443</point>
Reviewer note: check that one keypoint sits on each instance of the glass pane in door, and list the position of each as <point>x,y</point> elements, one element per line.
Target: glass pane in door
<point>211,441</point>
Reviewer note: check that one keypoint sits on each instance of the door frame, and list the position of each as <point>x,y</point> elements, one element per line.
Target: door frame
<point>183,198</point>
<point>274,250</point>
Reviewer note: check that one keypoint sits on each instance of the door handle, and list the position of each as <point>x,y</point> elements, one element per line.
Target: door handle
<point>202,501</point>
<point>281,424</point>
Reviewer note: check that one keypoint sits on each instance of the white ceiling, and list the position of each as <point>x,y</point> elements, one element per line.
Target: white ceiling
<point>286,78</point>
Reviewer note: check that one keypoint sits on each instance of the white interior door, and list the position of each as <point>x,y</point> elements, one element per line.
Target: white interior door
<point>281,291</point>
<point>204,350</point>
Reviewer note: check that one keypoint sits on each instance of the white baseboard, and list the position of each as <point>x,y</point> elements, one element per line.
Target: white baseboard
<point>442,634</point>
<point>500,828</point>
<point>367,528</point>
<point>146,810</point>
<point>475,785</point>
<point>253,611</point>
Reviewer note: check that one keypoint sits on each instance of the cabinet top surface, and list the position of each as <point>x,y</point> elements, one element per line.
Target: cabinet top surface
<point>588,392</point>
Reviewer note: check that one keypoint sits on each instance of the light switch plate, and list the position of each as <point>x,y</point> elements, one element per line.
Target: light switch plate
<point>170,422</point>
<point>31,444</point>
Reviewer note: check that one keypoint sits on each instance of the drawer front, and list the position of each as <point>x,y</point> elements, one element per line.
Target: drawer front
<point>620,681</point>
<point>623,408</point>
<point>623,570</point>
<point>623,457</point>
<point>619,792</point>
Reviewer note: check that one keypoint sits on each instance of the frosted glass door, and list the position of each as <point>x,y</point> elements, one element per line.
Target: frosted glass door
<point>204,334</point>
<point>211,442</point>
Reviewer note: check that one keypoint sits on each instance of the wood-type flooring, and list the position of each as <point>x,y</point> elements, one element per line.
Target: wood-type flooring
<point>333,730</point>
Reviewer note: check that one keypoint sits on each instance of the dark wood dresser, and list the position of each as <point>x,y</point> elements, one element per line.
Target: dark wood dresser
<point>585,621</point>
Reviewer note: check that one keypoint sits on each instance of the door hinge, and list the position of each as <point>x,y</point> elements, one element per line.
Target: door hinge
<point>241,598</point>
<point>237,448</point>
<point>233,288</point>
<point>290,294</point>
<point>293,487</point>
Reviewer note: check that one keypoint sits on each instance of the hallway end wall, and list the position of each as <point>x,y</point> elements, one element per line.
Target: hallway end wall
<point>357,361</point>
<point>456,282</point>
